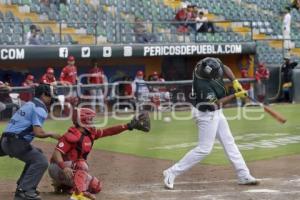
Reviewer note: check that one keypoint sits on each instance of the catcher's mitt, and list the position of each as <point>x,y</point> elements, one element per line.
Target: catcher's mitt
<point>140,122</point>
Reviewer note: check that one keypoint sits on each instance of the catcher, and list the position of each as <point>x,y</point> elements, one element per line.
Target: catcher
<point>68,168</point>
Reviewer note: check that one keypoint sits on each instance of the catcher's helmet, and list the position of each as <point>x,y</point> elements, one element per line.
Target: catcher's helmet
<point>209,68</point>
<point>83,117</point>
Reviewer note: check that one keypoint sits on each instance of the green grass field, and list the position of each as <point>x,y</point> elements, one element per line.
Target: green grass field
<point>172,140</point>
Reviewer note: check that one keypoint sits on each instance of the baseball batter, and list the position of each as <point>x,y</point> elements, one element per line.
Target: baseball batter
<point>210,95</point>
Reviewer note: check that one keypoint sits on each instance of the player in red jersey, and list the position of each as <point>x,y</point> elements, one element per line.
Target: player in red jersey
<point>48,77</point>
<point>68,168</point>
<point>28,82</point>
<point>159,93</point>
<point>68,76</point>
<point>69,73</point>
<point>261,75</point>
<point>97,76</point>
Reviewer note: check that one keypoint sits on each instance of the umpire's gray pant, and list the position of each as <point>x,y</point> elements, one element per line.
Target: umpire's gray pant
<point>35,162</point>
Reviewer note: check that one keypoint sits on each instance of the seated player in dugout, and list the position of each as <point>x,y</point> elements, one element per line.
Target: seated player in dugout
<point>69,169</point>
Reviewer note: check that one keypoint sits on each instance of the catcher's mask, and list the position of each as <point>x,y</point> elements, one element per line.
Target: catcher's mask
<point>209,68</point>
<point>83,117</point>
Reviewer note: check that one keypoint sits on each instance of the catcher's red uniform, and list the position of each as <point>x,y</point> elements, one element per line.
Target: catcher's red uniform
<point>69,74</point>
<point>75,145</point>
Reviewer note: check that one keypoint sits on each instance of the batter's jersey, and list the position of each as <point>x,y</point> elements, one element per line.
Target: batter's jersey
<point>208,92</point>
<point>33,113</point>
<point>69,74</point>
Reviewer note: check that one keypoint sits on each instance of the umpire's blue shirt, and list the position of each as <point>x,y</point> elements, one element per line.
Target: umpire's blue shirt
<point>33,113</point>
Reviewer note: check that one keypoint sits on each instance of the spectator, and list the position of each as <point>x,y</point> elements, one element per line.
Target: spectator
<point>97,77</point>
<point>261,75</point>
<point>203,25</point>
<point>182,16</point>
<point>286,29</point>
<point>28,82</point>
<point>141,33</point>
<point>287,70</point>
<point>68,76</point>
<point>48,77</point>
<point>191,17</point>
<point>195,11</point>
<point>32,37</point>
<point>296,4</point>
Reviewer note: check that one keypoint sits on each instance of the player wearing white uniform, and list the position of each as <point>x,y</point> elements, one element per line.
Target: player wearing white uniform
<point>159,93</point>
<point>211,94</point>
<point>286,32</point>
<point>139,87</point>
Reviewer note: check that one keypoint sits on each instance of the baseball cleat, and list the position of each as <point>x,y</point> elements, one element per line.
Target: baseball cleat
<point>169,178</point>
<point>23,195</point>
<point>81,196</point>
<point>248,180</point>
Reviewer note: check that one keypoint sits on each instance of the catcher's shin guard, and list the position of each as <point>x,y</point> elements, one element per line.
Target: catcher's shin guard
<point>86,184</point>
<point>81,165</point>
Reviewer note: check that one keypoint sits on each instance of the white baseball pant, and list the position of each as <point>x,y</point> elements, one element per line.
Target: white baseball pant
<point>212,125</point>
<point>97,94</point>
<point>287,39</point>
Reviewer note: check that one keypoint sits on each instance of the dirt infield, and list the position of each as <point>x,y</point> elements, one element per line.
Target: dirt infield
<point>128,177</point>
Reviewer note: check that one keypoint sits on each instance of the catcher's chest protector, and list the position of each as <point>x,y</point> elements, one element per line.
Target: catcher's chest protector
<point>84,145</point>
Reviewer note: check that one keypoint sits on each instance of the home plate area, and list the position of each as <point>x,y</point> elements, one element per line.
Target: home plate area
<point>270,188</point>
<point>279,179</point>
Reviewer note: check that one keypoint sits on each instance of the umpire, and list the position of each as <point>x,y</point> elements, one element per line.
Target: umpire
<point>24,126</point>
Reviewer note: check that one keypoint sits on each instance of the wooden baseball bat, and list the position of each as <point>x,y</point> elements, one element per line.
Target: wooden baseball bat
<point>279,117</point>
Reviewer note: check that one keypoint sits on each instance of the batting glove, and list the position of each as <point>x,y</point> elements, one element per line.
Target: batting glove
<point>242,94</point>
<point>237,86</point>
